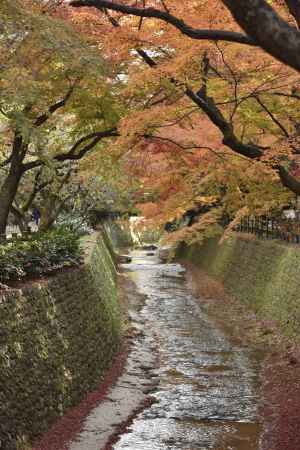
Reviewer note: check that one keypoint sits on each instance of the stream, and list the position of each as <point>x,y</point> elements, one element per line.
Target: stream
<point>207,393</point>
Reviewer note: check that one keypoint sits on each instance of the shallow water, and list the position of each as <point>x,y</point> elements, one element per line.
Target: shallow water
<point>207,392</point>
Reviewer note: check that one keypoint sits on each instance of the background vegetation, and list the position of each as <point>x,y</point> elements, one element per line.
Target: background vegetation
<point>41,254</point>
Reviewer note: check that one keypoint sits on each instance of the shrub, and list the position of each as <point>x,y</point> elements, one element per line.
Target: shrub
<point>75,223</point>
<point>40,255</point>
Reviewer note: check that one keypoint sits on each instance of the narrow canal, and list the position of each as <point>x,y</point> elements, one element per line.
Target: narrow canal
<point>206,397</point>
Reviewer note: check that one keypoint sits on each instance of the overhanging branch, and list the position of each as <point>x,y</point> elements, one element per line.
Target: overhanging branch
<point>60,104</point>
<point>263,26</point>
<point>270,31</point>
<point>294,8</point>
<point>266,29</point>
<point>73,154</point>
<point>194,33</point>
<point>209,107</point>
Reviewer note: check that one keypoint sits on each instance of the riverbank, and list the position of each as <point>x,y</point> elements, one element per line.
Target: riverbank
<point>184,383</point>
<point>206,350</point>
<point>263,275</point>
<point>59,336</point>
<point>97,422</point>
<point>279,405</point>
<point>129,391</point>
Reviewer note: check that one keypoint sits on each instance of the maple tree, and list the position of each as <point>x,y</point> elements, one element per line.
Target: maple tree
<point>260,21</point>
<point>171,75</point>
<point>51,111</point>
<point>251,99</point>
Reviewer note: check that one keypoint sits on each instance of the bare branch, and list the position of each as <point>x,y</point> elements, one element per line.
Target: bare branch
<point>182,147</point>
<point>282,94</point>
<point>180,119</point>
<point>270,114</point>
<point>235,82</point>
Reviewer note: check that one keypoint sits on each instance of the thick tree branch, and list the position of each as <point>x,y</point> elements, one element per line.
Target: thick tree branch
<point>72,154</point>
<point>263,26</point>
<point>272,33</point>
<point>209,107</point>
<point>60,104</point>
<point>97,135</point>
<point>194,33</point>
<point>148,60</point>
<point>37,187</point>
<point>294,8</point>
<point>288,180</point>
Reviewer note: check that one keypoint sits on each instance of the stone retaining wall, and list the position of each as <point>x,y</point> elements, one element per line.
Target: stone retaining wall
<point>57,338</point>
<point>263,274</point>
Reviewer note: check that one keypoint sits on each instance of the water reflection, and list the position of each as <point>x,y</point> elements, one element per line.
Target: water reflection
<point>206,398</point>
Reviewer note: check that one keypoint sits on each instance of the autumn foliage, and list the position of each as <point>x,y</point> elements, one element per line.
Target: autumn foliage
<point>206,127</point>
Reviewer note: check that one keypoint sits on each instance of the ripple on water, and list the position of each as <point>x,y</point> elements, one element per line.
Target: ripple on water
<point>207,395</point>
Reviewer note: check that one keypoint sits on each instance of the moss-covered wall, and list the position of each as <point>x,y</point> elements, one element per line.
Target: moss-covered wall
<point>118,233</point>
<point>57,338</point>
<point>263,274</point>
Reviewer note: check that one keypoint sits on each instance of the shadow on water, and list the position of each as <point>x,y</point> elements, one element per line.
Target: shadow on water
<point>207,392</point>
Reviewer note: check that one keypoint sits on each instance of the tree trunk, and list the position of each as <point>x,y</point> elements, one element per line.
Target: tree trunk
<point>49,212</point>
<point>10,185</point>
<point>7,194</point>
<point>47,220</point>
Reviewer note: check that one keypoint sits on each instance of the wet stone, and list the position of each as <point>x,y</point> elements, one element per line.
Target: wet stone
<point>207,391</point>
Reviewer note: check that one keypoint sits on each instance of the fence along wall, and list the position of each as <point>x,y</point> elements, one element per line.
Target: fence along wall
<point>267,228</point>
<point>57,338</point>
<point>263,274</point>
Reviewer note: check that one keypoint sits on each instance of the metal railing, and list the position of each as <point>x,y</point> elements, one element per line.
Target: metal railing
<point>287,230</point>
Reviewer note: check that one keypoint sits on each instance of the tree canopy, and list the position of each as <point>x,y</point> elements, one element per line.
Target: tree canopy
<point>201,100</point>
<point>204,66</point>
<point>56,96</point>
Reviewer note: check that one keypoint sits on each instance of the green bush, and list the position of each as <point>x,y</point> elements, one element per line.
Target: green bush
<point>40,255</point>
